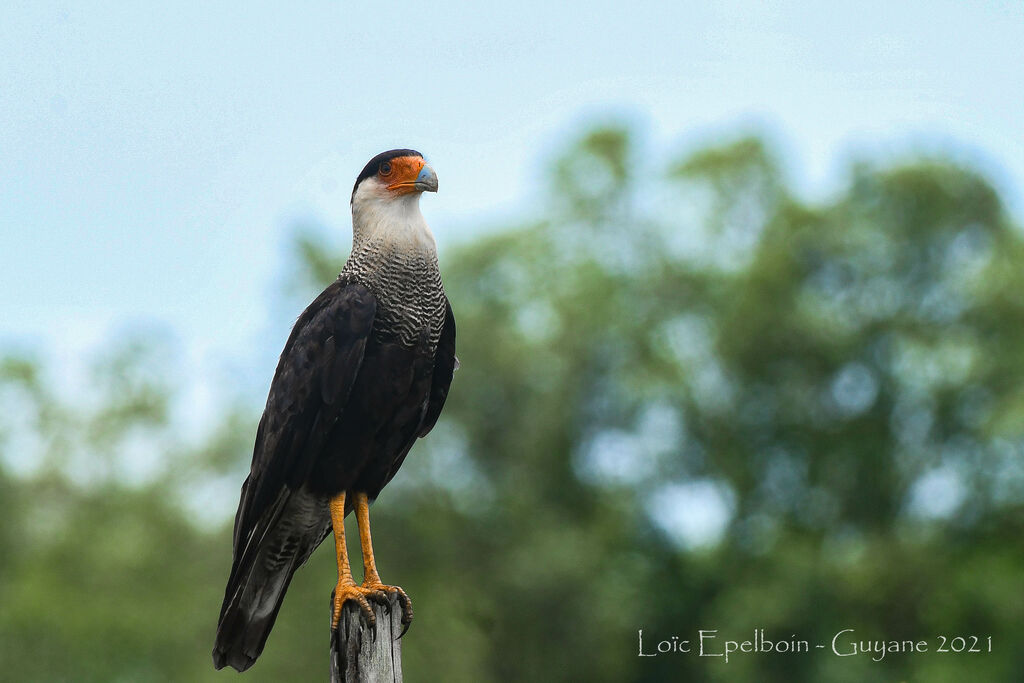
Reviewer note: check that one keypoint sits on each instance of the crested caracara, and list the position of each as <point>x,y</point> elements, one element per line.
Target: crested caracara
<point>364,373</point>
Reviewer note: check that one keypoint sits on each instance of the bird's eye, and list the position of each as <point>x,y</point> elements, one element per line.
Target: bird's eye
<point>385,169</point>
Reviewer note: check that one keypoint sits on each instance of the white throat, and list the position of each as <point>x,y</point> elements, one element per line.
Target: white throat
<point>395,222</point>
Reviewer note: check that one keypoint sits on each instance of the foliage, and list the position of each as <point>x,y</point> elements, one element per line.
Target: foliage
<point>688,400</point>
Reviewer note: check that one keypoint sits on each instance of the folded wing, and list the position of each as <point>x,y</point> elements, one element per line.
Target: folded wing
<point>278,523</point>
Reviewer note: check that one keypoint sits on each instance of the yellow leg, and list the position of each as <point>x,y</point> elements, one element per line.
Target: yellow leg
<point>370,574</point>
<point>346,588</point>
<point>341,552</point>
<point>371,579</point>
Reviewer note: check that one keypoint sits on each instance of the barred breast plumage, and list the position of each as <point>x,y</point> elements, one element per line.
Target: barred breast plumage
<point>408,288</point>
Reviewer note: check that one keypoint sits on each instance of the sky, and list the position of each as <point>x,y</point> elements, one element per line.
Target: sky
<point>155,156</point>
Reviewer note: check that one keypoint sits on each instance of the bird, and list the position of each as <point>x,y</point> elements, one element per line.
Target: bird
<point>365,373</point>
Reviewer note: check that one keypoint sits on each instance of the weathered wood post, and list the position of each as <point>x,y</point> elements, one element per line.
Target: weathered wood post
<point>360,654</point>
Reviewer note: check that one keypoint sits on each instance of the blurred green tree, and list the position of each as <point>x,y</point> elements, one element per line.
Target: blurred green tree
<point>687,400</point>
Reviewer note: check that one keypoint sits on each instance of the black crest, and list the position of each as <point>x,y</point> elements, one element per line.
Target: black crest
<point>373,165</point>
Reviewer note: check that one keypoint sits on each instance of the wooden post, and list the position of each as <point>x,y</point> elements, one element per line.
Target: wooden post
<point>360,655</point>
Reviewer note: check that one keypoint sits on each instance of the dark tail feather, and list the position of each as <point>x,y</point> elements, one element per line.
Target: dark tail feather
<point>249,616</point>
<point>260,578</point>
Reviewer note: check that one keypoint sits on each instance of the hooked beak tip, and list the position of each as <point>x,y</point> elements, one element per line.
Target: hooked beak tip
<point>426,181</point>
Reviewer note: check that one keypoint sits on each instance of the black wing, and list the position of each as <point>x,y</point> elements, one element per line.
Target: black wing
<point>310,388</point>
<point>278,524</point>
<point>445,364</point>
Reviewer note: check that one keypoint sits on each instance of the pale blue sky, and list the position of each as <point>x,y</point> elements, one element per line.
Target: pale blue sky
<point>152,160</point>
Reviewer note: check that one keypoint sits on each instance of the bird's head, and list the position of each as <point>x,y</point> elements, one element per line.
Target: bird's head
<point>385,199</point>
<point>393,175</point>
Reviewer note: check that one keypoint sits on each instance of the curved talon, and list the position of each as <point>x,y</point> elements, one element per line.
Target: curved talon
<point>350,591</point>
<point>379,596</point>
<point>403,601</point>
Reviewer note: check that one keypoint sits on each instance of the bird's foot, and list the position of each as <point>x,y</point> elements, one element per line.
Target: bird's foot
<point>348,590</point>
<point>380,592</point>
<point>362,595</point>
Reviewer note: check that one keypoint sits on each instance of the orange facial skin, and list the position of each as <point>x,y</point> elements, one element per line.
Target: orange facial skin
<point>401,174</point>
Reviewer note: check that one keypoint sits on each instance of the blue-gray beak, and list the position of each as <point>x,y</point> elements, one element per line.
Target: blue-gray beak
<point>426,181</point>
